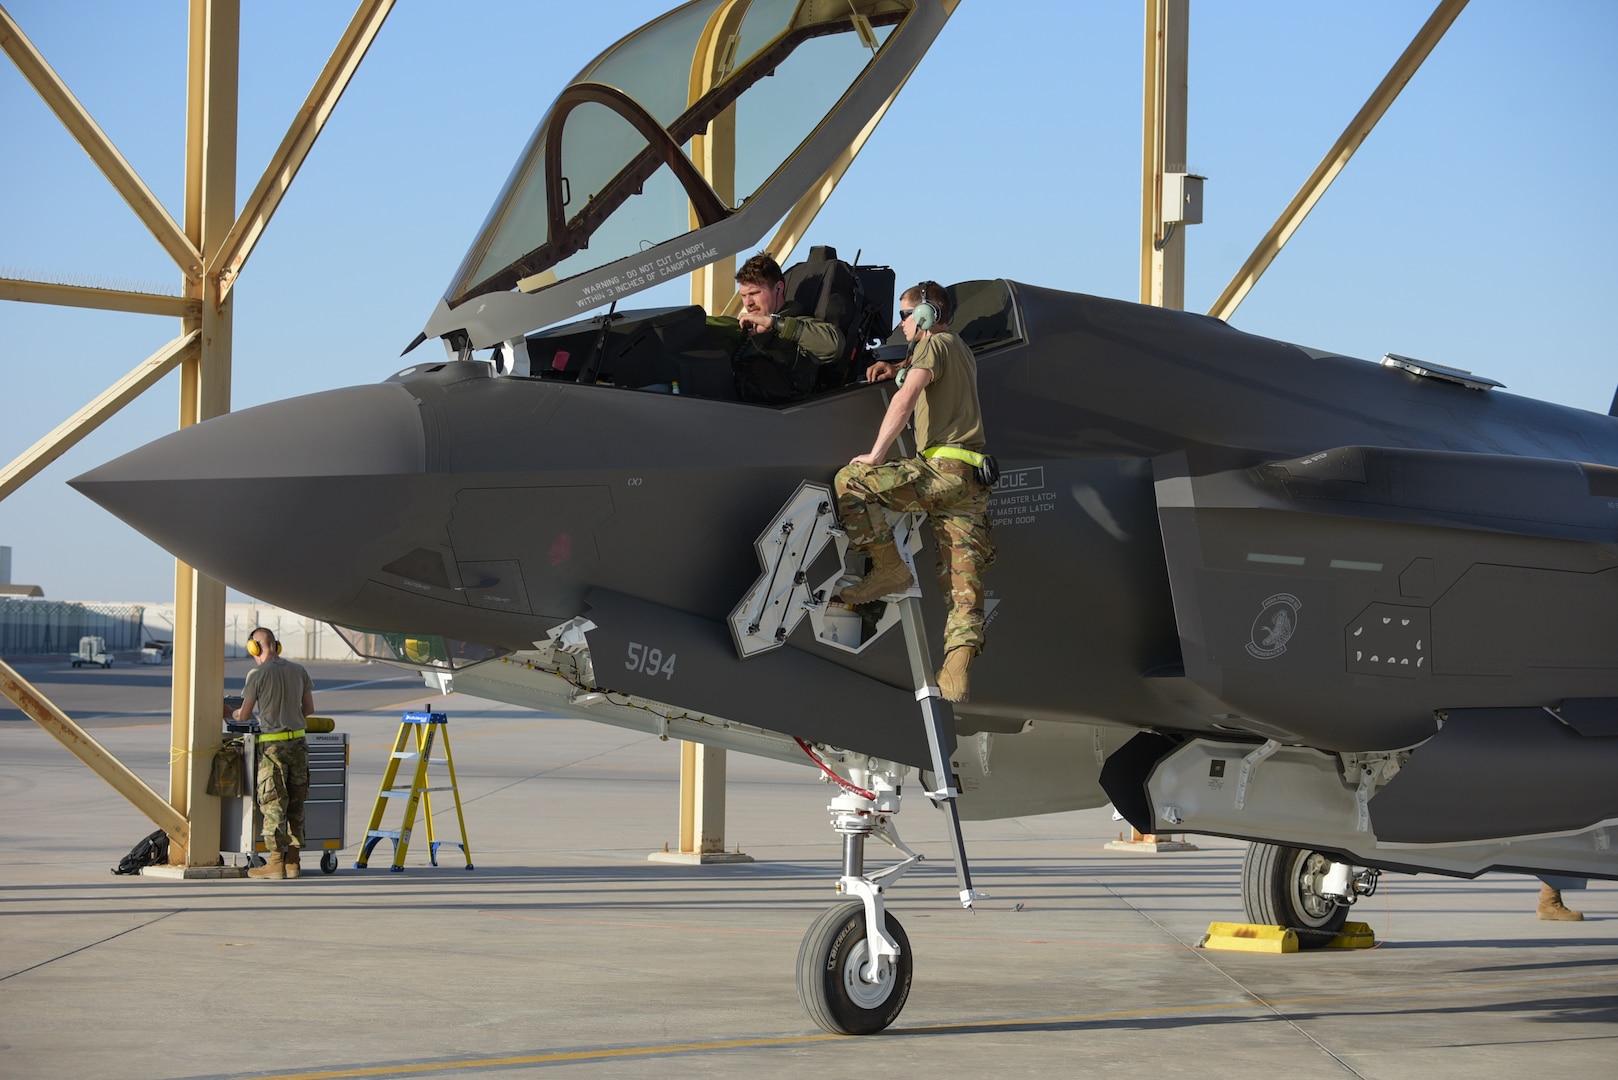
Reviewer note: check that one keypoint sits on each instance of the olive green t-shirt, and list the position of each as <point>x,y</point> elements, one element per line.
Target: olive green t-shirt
<point>948,413</point>
<point>277,686</point>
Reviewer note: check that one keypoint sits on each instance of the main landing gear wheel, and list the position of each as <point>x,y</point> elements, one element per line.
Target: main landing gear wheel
<point>830,985</point>
<point>1281,887</point>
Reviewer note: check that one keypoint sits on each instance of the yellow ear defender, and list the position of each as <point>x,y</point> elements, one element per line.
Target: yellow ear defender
<point>254,649</point>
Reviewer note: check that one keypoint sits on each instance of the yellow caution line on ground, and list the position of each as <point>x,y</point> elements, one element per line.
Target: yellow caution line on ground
<point>968,1026</point>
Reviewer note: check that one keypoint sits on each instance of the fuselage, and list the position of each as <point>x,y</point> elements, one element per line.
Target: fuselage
<point>452,502</point>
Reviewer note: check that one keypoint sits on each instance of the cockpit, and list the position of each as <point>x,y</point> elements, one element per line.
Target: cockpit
<point>717,129</point>
<point>683,350</point>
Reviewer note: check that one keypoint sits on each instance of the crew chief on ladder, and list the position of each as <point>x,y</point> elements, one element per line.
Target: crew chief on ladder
<point>285,697</point>
<point>938,384</point>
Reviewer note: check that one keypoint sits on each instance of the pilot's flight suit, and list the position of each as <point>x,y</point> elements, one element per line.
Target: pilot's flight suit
<point>781,363</point>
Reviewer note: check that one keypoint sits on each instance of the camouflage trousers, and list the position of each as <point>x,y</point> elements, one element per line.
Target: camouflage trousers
<point>956,505</point>
<point>283,785</point>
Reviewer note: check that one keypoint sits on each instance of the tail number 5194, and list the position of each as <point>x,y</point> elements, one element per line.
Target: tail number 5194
<point>646,659</point>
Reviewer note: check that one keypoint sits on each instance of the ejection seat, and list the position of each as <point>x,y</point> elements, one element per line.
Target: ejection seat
<point>851,298</point>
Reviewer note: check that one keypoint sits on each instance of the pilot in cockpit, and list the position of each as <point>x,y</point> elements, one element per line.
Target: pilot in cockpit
<point>778,348</point>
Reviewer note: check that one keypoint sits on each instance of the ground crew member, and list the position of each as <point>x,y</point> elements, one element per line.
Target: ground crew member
<point>285,697</point>
<point>783,347</point>
<point>1550,907</point>
<point>938,384</point>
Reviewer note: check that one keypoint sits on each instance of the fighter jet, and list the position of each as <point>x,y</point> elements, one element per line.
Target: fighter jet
<point>1363,613</point>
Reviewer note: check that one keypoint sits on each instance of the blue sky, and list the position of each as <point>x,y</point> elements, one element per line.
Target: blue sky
<point>1468,230</point>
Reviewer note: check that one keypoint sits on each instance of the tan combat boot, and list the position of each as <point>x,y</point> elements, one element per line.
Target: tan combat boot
<point>952,679</point>
<point>274,868</point>
<point>888,575</point>
<point>290,862</point>
<point>1551,908</point>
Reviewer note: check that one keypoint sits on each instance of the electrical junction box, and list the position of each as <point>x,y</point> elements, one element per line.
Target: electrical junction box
<point>1182,198</point>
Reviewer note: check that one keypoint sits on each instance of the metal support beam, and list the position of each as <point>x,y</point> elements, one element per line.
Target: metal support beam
<point>199,601</point>
<point>702,809</point>
<point>1431,33</point>
<point>202,353</point>
<point>115,397</point>
<point>1162,257</point>
<point>714,150</point>
<point>702,768</point>
<point>801,216</point>
<point>225,264</point>
<point>702,799</point>
<point>140,303</point>
<point>40,710</point>
<point>112,164</point>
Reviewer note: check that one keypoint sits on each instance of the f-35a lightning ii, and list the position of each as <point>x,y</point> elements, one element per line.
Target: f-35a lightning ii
<point>1364,614</point>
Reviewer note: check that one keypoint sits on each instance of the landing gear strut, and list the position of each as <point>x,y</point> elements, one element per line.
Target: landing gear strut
<point>855,964</point>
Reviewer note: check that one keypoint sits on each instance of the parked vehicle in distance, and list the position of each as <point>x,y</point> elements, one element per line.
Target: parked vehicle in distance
<point>92,650</point>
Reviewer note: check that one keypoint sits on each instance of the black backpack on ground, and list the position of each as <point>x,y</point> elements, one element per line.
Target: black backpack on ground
<point>152,851</point>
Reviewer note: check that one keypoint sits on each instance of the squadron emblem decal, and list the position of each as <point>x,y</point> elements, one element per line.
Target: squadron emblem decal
<point>1274,627</point>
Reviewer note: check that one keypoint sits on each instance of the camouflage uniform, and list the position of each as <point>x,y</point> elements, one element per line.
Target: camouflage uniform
<point>283,786</point>
<point>955,503</point>
<point>277,687</point>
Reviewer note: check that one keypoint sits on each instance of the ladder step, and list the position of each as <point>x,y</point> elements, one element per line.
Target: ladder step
<point>422,758</point>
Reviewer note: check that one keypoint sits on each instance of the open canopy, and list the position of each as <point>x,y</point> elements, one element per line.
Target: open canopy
<point>680,145</point>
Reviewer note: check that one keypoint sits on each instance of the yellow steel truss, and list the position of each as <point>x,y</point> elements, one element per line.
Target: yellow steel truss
<point>209,249</point>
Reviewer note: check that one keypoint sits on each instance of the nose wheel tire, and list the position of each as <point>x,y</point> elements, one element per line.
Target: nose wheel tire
<point>831,985</point>
<point>1281,887</point>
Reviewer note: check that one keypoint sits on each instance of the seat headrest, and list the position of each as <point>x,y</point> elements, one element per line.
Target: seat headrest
<point>826,290</point>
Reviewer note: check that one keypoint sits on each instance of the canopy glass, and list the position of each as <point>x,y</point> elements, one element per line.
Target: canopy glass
<point>673,129</point>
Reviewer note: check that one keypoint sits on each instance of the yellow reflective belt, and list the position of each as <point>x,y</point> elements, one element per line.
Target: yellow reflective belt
<point>971,457</point>
<point>279,735</point>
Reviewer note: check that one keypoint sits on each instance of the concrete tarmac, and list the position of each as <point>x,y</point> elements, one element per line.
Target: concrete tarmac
<point>565,952</point>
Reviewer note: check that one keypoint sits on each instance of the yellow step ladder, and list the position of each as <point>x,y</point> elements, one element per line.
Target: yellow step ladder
<point>424,728</point>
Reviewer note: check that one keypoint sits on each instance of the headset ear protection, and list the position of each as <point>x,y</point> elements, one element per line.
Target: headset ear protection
<point>924,313</point>
<point>254,648</point>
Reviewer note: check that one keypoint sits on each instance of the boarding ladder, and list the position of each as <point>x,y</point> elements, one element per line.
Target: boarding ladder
<point>421,729</point>
<point>785,593</point>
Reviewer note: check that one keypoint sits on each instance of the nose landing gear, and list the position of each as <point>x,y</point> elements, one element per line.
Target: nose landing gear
<point>855,965</point>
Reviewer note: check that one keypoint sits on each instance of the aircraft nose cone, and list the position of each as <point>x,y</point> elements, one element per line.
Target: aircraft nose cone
<point>286,502</point>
